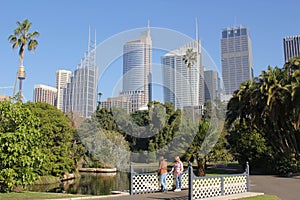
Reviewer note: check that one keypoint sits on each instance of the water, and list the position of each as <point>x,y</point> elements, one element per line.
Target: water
<point>89,184</point>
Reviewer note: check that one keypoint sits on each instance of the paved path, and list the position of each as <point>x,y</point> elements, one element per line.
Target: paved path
<point>183,195</point>
<point>283,187</point>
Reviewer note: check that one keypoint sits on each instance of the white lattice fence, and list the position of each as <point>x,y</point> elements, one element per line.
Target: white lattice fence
<point>235,184</point>
<point>144,183</point>
<point>206,187</point>
<point>149,182</point>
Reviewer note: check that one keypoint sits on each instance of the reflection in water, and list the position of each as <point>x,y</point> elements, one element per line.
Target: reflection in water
<point>90,184</point>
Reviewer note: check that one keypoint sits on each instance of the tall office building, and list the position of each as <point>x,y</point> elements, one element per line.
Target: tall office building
<point>137,70</point>
<point>177,80</point>
<point>212,83</point>
<point>62,78</point>
<point>80,95</point>
<point>236,57</point>
<point>44,93</point>
<point>291,47</point>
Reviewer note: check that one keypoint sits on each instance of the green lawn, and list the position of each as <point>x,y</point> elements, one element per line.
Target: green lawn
<point>262,197</point>
<point>34,195</point>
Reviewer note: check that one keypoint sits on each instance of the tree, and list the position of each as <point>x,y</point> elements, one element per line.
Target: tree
<point>269,106</point>
<point>105,146</point>
<point>59,145</point>
<point>190,58</point>
<point>22,38</point>
<point>21,144</point>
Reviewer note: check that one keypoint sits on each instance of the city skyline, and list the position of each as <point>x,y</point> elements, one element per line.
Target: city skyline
<point>64,35</point>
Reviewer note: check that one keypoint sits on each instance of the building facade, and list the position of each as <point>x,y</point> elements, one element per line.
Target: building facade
<point>44,93</point>
<point>80,95</point>
<point>212,83</point>
<point>291,46</point>
<point>236,58</point>
<point>137,69</point>
<point>182,87</point>
<point>63,77</point>
<point>117,102</point>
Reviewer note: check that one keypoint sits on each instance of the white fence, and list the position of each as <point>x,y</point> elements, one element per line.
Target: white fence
<point>199,187</point>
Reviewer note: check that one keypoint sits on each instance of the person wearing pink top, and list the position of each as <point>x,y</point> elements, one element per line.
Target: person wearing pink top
<point>177,170</point>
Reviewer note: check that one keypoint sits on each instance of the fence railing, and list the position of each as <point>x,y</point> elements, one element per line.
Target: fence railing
<point>149,182</point>
<point>212,186</point>
<point>199,187</point>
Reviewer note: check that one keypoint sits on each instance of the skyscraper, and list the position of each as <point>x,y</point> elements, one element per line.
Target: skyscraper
<point>62,78</point>
<point>211,85</point>
<point>236,57</point>
<point>291,47</point>
<point>80,95</point>
<point>178,82</point>
<point>137,70</point>
<point>44,93</point>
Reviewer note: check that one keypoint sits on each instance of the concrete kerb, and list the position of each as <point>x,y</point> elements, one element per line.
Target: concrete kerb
<point>120,194</point>
<point>235,196</point>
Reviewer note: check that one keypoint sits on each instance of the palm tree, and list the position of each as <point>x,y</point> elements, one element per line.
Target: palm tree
<point>22,38</point>
<point>190,58</point>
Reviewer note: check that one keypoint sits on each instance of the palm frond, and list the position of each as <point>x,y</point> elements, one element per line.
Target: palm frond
<point>32,45</point>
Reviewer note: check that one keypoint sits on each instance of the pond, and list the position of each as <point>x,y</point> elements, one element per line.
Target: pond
<point>89,184</point>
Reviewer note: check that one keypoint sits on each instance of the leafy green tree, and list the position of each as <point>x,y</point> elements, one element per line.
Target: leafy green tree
<point>269,106</point>
<point>104,146</point>
<point>106,119</point>
<point>22,38</point>
<point>59,145</point>
<point>21,142</point>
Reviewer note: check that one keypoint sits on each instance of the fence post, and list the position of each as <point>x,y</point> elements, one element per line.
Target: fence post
<point>190,173</point>
<point>222,185</point>
<point>131,179</point>
<point>247,176</point>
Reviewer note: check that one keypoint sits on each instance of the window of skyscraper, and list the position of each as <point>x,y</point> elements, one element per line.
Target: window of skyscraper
<point>224,34</point>
<point>243,31</point>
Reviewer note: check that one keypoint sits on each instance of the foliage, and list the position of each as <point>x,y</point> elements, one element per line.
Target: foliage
<point>22,38</point>
<point>161,130</point>
<point>21,143</point>
<point>104,146</point>
<point>59,145</point>
<point>269,107</point>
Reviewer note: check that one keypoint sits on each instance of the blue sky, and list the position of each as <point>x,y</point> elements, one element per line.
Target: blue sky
<point>63,27</point>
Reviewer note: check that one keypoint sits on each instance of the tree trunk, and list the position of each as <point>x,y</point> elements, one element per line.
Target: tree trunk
<point>200,166</point>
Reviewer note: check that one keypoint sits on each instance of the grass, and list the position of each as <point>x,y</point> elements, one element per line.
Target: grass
<point>262,197</point>
<point>35,195</point>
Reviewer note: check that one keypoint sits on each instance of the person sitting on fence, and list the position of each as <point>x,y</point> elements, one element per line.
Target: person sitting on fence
<point>178,170</point>
<point>163,171</point>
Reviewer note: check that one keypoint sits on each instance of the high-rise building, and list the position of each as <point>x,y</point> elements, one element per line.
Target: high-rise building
<point>44,93</point>
<point>117,102</point>
<point>80,95</point>
<point>236,57</point>
<point>291,47</point>
<point>212,82</point>
<point>137,70</point>
<point>62,78</point>
<point>182,87</point>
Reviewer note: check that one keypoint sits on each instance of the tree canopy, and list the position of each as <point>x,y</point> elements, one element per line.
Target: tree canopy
<point>265,114</point>
<point>21,142</point>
